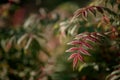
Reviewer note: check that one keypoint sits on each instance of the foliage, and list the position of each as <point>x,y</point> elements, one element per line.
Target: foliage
<point>19,50</point>
<point>106,40</point>
<point>34,34</point>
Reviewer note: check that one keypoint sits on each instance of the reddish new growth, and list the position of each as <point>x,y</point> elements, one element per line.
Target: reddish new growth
<point>84,11</point>
<point>81,45</point>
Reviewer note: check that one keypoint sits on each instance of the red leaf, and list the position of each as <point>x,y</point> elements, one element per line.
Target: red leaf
<point>72,56</point>
<point>75,61</point>
<point>85,13</point>
<point>91,38</point>
<point>78,12</point>
<point>75,42</point>
<point>97,35</point>
<point>76,57</point>
<point>87,45</point>
<point>83,51</point>
<point>92,10</point>
<point>80,57</point>
<point>72,49</point>
<point>81,42</point>
<point>82,35</point>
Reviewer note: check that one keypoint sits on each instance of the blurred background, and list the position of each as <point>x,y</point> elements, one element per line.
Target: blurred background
<point>33,44</point>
